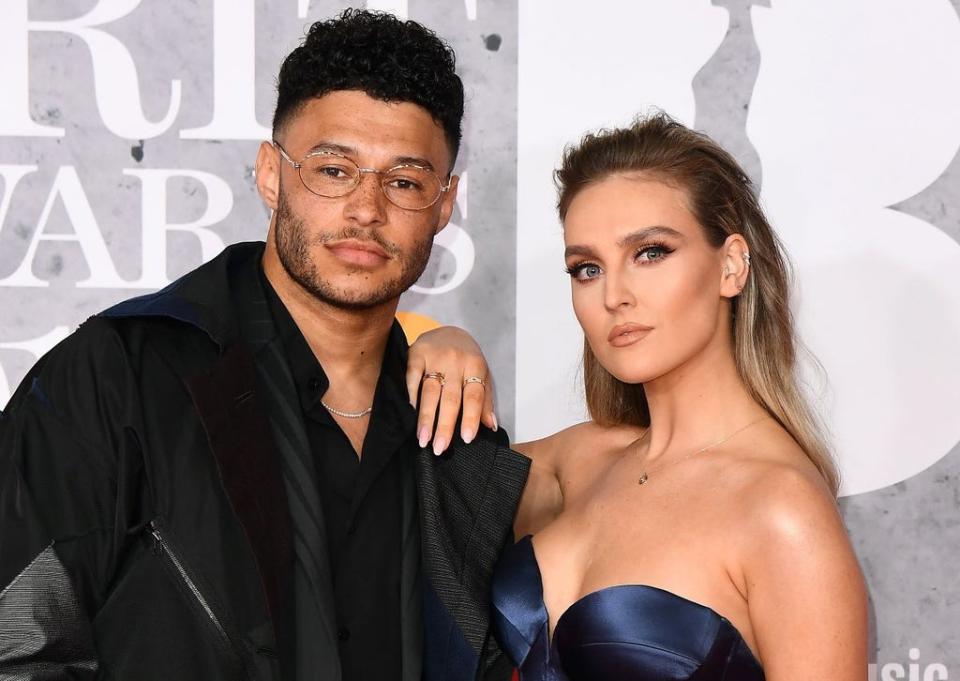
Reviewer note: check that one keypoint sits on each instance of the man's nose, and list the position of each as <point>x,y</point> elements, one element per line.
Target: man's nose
<point>366,204</point>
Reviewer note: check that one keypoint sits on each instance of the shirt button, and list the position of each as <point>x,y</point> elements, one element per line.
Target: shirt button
<point>343,634</point>
<point>314,384</point>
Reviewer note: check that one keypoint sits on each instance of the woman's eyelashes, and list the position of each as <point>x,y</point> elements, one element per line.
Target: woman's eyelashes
<point>652,253</point>
<point>645,255</point>
<point>584,271</point>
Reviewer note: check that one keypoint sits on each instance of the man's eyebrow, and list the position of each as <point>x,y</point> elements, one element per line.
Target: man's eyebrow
<point>413,161</point>
<point>638,236</point>
<point>332,146</point>
<point>352,152</point>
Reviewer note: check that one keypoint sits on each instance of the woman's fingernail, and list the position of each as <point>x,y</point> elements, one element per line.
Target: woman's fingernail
<point>423,436</point>
<point>495,424</point>
<point>439,444</point>
<point>467,434</point>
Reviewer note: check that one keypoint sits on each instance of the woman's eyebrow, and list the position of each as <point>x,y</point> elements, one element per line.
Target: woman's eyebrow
<point>638,236</point>
<point>585,251</point>
<point>647,233</point>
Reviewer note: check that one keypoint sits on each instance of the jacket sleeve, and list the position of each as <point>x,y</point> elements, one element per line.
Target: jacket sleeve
<point>468,498</point>
<point>60,466</point>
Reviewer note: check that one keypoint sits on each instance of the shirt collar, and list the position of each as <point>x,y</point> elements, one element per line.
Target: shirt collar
<point>390,399</point>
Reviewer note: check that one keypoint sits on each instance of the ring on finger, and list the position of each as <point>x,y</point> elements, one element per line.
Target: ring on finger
<point>474,379</point>
<point>437,375</point>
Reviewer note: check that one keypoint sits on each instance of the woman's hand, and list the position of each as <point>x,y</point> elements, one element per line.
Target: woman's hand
<point>448,370</point>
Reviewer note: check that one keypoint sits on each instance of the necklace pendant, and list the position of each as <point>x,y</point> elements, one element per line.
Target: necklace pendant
<point>643,479</point>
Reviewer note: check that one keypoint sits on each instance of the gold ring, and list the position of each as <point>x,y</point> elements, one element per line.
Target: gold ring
<point>435,375</point>
<point>474,379</point>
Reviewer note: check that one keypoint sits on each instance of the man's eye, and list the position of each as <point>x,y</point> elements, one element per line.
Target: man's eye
<point>404,183</point>
<point>333,172</point>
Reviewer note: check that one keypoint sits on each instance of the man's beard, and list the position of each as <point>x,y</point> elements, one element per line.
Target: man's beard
<point>293,247</point>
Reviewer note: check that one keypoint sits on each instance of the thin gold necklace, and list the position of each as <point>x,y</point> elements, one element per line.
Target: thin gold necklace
<point>644,476</point>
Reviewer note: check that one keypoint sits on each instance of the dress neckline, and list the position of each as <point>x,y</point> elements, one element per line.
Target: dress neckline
<point>606,590</point>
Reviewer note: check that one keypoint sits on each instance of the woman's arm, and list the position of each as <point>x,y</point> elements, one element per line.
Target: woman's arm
<point>542,498</point>
<point>565,466</point>
<point>805,593</point>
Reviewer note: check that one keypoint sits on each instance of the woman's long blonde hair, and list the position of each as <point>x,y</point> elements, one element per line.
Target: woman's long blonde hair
<point>723,200</point>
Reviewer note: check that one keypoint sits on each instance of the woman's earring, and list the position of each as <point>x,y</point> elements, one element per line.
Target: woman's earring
<point>746,259</point>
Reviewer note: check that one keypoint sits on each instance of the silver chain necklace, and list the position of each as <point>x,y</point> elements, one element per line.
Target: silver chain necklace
<point>644,476</point>
<point>347,414</point>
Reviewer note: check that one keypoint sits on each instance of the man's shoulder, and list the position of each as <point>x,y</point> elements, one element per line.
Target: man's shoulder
<point>498,437</point>
<point>486,457</point>
<point>106,360</point>
<point>104,352</point>
<point>202,298</point>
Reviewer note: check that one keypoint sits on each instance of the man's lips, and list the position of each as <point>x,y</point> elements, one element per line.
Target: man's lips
<point>627,334</point>
<point>364,253</point>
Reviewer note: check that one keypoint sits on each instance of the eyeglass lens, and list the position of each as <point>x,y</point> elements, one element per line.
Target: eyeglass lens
<point>406,186</point>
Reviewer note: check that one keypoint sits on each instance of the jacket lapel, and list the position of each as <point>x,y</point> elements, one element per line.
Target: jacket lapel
<point>233,417</point>
<point>411,597</point>
<point>317,652</point>
<point>317,649</point>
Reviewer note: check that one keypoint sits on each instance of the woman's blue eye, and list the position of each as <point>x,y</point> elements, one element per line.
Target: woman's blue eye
<point>584,272</point>
<point>652,253</point>
<point>589,272</point>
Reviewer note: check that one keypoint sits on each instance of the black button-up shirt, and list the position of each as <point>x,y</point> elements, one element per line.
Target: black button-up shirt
<point>361,500</point>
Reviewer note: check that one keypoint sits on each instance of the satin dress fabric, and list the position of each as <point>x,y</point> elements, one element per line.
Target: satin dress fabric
<point>620,633</point>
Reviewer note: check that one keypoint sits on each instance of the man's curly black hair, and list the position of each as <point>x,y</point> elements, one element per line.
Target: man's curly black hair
<point>376,53</point>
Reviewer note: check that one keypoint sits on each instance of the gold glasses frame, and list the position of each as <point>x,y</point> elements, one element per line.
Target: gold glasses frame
<point>298,165</point>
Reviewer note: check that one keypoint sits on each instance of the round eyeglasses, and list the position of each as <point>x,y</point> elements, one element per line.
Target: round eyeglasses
<point>329,174</point>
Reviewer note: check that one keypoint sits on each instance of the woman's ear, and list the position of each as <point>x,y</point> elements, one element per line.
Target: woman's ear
<point>736,266</point>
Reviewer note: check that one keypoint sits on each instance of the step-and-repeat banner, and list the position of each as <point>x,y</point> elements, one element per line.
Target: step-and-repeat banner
<point>128,131</point>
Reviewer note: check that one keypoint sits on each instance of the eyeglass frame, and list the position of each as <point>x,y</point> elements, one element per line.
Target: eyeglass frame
<point>298,165</point>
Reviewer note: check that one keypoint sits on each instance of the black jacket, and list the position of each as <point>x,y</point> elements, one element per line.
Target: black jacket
<point>144,526</point>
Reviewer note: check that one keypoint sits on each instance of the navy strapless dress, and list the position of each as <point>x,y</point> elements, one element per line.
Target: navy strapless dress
<point>620,633</point>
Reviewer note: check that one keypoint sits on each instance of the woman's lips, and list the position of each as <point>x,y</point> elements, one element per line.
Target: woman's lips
<point>628,334</point>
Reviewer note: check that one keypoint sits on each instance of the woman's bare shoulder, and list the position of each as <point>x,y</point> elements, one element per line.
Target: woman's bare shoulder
<point>795,561</point>
<point>782,496</point>
<point>577,440</point>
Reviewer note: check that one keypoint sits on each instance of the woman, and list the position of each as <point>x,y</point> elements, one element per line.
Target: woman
<point>689,530</point>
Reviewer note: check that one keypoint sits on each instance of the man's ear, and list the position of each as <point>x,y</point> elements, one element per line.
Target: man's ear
<point>267,172</point>
<point>447,201</point>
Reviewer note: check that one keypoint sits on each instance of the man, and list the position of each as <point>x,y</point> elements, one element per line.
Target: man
<point>222,480</point>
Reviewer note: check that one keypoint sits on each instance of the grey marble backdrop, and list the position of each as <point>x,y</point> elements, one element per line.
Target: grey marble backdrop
<point>907,536</point>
